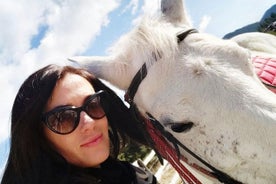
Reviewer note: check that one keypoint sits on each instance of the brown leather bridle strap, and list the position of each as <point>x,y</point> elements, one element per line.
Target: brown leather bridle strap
<point>183,34</point>
<point>168,152</point>
<point>136,81</point>
<point>142,73</point>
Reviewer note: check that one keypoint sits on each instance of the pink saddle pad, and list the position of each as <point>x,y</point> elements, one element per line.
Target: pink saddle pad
<point>266,70</point>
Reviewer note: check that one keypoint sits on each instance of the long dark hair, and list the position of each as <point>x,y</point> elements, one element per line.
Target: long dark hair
<point>31,158</point>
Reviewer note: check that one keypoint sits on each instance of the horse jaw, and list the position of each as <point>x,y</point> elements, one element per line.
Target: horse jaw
<point>233,131</point>
<point>108,68</point>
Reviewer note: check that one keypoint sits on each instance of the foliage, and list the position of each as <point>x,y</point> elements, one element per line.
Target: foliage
<point>266,23</point>
<point>133,151</point>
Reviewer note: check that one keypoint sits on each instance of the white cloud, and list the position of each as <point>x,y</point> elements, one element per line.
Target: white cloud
<point>18,22</point>
<point>133,5</point>
<point>72,26</point>
<point>205,20</point>
<point>148,8</point>
<point>151,7</point>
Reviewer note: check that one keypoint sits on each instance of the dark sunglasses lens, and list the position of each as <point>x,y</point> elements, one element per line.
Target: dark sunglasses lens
<point>63,122</point>
<point>94,108</point>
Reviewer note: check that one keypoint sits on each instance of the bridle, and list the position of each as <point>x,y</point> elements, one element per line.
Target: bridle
<point>162,141</point>
<point>142,73</point>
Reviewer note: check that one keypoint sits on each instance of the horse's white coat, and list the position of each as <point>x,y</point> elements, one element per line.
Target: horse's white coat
<point>205,80</point>
<point>257,42</point>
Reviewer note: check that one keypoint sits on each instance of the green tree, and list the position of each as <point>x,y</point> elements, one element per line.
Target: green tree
<point>267,22</point>
<point>133,151</point>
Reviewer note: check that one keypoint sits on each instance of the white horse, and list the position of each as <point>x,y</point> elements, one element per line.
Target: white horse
<point>259,44</point>
<point>204,82</point>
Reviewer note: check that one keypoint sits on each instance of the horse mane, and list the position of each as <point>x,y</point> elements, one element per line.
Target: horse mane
<point>150,40</point>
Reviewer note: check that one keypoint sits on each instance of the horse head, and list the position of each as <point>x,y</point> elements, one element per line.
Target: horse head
<point>202,81</point>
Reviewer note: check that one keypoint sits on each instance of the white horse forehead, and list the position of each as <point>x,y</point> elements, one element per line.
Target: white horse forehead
<point>151,35</point>
<point>226,51</point>
<point>160,39</point>
<point>154,35</point>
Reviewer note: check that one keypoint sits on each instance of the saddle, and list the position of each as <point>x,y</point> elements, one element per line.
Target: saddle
<point>265,68</point>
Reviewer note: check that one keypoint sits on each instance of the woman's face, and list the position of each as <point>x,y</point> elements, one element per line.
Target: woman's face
<point>88,144</point>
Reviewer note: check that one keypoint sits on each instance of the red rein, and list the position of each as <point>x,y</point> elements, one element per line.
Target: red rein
<point>266,70</point>
<point>169,153</point>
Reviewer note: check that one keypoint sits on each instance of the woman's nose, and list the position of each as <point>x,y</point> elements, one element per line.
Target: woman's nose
<point>86,121</point>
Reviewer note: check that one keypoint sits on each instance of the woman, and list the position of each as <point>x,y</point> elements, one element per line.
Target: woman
<point>67,127</point>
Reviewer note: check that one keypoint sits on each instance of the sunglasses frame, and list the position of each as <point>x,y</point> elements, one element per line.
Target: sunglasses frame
<point>78,110</point>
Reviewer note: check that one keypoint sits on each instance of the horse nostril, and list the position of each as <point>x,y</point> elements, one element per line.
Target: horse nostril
<point>181,127</point>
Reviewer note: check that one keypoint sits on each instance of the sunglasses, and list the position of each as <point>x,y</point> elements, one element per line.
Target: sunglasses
<point>65,119</point>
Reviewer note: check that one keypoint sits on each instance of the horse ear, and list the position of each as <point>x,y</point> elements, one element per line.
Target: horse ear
<point>106,68</point>
<point>174,12</point>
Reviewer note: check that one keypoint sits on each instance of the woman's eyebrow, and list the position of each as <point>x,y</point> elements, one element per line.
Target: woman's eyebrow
<point>59,107</point>
<point>71,105</point>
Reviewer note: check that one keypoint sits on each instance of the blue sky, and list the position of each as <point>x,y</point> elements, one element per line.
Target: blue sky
<point>36,33</point>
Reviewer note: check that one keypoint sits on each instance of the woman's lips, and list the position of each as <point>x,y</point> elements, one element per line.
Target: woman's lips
<point>93,141</point>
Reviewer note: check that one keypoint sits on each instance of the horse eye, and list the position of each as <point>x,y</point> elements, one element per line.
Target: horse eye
<point>182,127</point>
